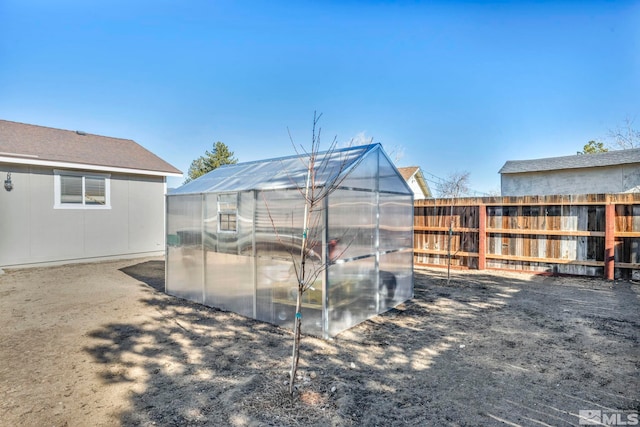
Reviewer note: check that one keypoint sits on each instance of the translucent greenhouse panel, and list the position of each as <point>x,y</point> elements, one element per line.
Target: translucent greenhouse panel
<point>270,274</point>
<point>364,173</point>
<point>396,222</point>
<point>277,293</point>
<point>329,166</point>
<point>352,222</point>
<point>227,211</point>
<point>279,217</point>
<point>229,269</point>
<point>284,172</point>
<point>353,294</point>
<point>211,222</point>
<point>229,283</point>
<point>229,222</point>
<point>396,278</point>
<point>246,209</point>
<point>251,176</point>
<point>390,179</point>
<point>211,181</point>
<point>185,258</point>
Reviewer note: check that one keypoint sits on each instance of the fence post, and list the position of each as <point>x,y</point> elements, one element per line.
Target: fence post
<point>482,236</point>
<point>609,240</point>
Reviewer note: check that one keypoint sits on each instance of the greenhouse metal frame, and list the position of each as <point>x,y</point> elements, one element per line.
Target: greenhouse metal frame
<point>233,236</point>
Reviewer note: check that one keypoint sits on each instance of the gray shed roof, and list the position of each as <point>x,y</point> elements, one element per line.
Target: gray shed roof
<point>40,145</point>
<point>579,161</point>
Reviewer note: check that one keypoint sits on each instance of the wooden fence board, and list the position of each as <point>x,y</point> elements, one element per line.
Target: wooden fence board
<point>559,234</point>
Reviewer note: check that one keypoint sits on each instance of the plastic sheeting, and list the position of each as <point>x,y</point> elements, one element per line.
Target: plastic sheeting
<point>185,255</point>
<point>234,243</point>
<point>279,173</point>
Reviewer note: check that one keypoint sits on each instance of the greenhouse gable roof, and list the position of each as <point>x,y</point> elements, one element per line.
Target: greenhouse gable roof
<point>278,173</point>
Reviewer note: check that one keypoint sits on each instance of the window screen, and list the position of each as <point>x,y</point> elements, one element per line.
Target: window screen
<point>76,190</point>
<point>71,189</point>
<point>94,191</point>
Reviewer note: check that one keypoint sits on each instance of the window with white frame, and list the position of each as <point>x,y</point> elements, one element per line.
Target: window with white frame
<point>228,213</point>
<point>80,190</point>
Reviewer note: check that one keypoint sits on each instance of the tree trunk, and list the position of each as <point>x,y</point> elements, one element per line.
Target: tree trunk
<point>449,254</point>
<point>449,245</point>
<point>295,355</point>
<point>297,323</point>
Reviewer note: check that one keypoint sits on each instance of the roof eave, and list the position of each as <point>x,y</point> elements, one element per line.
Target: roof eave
<point>567,168</point>
<point>84,166</point>
<point>422,182</point>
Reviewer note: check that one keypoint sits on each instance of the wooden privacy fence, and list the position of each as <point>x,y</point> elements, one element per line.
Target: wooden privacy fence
<point>593,234</point>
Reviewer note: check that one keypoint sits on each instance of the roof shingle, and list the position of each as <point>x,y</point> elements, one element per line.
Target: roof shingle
<point>25,141</point>
<point>407,172</point>
<point>578,161</point>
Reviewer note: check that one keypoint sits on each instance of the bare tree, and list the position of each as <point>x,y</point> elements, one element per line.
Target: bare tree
<point>625,136</point>
<point>494,192</point>
<point>455,186</point>
<point>360,139</point>
<point>396,152</point>
<point>307,264</point>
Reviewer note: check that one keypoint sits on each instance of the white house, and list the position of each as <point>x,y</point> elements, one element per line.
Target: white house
<point>414,177</point>
<point>70,196</point>
<point>600,173</point>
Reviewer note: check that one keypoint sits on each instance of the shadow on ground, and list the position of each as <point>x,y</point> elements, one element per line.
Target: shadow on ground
<point>481,350</point>
<point>148,272</point>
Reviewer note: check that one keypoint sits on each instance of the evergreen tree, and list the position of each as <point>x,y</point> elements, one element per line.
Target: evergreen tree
<point>593,147</point>
<point>220,155</point>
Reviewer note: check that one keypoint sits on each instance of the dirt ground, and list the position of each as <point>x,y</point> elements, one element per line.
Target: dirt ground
<point>100,344</point>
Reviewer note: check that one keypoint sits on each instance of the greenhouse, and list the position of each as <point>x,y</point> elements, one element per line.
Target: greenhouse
<point>234,238</point>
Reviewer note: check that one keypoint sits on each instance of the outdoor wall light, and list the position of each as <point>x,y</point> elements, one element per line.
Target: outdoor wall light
<point>8,185</point>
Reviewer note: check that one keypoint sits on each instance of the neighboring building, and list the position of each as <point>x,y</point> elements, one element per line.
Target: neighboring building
<point>414,177</point>
<point>69,196</point>
<point>600,173</point>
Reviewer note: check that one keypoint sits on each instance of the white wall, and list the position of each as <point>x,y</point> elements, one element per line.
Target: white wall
<point>601,180</point>
<point>418,194</point>
<point>33,232</point>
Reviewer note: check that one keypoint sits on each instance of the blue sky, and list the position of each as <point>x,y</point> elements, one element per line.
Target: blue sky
<point>448,86</point>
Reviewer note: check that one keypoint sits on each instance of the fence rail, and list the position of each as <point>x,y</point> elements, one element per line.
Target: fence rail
<point>591,234</point>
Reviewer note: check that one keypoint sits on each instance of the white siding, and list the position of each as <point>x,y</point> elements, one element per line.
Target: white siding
<point>418,194</point>
<point>600,180</point>
<point>33,232</point>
